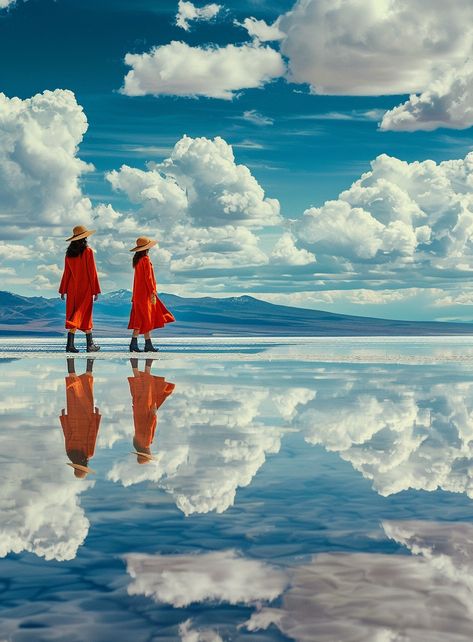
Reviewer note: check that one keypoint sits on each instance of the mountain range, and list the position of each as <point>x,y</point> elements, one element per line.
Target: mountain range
<point>207,316</point>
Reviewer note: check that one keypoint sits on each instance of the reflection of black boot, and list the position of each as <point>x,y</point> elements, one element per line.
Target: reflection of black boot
<point>134,364</point>
<point>149,363</point>
<point>91,347</point>
<point>134,345</point>
<point>70,366</point>
<point>149,347</point>
<point>90,365</point>
<point>70,347</point>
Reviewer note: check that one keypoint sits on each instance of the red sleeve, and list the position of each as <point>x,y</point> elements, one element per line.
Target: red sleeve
<point>92,272</point>
<point>66,277</point>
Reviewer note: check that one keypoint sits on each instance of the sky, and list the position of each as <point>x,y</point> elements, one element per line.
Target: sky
<point>310,153</point>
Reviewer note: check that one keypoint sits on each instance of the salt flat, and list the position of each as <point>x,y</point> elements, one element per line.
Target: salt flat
<point>415,350</point>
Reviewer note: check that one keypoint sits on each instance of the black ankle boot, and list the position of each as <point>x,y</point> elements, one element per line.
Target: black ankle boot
<point>134,345</point>
<point>149,347</point>
<point>91,346</point>
<point>70,347</point>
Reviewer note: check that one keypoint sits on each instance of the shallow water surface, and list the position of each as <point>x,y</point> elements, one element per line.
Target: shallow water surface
<point>270,491</point>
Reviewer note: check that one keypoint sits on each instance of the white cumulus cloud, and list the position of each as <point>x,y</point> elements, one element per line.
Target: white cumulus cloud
<point>203,206</point>
<point>398,218</point>
<point>286,252</point>
<point>178,69</point>
<point>260,30</point>
<point>200,182</point>
<point>39,167</point>
<point>187,12</point>
<point>447,102</point>
<point>374,47</point>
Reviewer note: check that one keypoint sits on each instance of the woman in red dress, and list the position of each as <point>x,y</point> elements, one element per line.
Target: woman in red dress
<point>80,284</point>
<point>147,311</point>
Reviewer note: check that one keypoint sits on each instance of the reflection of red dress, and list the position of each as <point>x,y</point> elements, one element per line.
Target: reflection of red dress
<point>144,315</point>
<point>79,283</point>
<point>148,393</point>
<point>81,423</point>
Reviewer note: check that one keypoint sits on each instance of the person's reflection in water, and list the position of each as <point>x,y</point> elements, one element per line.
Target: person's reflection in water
<point>148,393</point>
<point>81,422</point>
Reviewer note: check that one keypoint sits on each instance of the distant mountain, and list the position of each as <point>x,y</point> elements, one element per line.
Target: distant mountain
<point>232,316</point>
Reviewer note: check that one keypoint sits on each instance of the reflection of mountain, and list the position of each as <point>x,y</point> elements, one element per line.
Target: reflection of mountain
<point>417,435</point>
<point>207,316</point>
<point>212,439</point>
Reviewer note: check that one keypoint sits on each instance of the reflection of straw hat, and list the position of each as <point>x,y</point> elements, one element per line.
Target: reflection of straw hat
<point>80,232</point>
<point>143,243</point>
<point>145,455</point>
<point>84,469</point>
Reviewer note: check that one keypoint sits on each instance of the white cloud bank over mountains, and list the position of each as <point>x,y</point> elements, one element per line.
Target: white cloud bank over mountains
<point>399,223</point>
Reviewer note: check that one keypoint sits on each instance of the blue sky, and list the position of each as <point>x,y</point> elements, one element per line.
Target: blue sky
<point>303,120</point>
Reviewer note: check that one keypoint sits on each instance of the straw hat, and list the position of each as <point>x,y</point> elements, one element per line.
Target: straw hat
<point>143,243</point>
<point>80,232</point>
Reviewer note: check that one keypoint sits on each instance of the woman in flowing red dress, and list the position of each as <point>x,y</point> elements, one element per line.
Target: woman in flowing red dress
<point>148,393</point>
<point>80,284</point>
<point>147,311</point>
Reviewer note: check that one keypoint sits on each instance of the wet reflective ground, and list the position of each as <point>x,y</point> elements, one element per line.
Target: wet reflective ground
<point>201,497</point>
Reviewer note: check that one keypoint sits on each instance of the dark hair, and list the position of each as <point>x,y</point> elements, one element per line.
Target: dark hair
<point>138,256</point>
<point>76,248</point>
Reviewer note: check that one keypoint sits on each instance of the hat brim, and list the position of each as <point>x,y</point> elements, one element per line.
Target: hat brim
<point>145,455</point>
<point>84,469</point>
<point>142,248</point>
<point>84,235</point>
